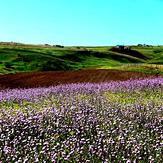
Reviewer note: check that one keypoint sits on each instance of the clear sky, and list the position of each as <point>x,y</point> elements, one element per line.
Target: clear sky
<point>82,22</point>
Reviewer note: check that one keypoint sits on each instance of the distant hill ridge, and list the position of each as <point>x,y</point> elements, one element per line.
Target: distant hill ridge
<point>18,57</point>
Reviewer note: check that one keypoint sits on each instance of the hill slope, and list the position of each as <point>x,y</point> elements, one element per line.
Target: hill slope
<point>24,58</point>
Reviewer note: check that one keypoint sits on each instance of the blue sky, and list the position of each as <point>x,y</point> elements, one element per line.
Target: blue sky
<point>82,22</point>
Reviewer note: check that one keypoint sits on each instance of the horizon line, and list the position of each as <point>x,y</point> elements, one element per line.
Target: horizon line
<point>49,44</point>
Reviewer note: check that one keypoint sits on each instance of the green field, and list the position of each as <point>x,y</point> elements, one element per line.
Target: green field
<point>27,58</point>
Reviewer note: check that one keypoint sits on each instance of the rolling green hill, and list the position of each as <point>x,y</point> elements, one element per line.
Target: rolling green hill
<point>27,58</point>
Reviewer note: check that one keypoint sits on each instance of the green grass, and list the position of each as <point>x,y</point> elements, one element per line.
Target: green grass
<point>154,53</point>
<point>147,68</point>
<point>23,58</point>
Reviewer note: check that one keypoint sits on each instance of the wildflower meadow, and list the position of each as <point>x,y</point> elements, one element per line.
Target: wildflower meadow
<point>106,122</point>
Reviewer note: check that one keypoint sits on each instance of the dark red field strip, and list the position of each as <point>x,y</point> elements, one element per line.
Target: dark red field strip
<point>37,79</point>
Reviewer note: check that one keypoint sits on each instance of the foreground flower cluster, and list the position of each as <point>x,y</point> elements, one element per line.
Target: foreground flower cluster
<point>107,122</point>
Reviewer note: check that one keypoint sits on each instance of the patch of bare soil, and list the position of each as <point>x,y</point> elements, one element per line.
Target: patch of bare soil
<point>44,79</point>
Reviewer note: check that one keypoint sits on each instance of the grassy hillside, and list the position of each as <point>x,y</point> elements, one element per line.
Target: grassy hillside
<point>25,58</point>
